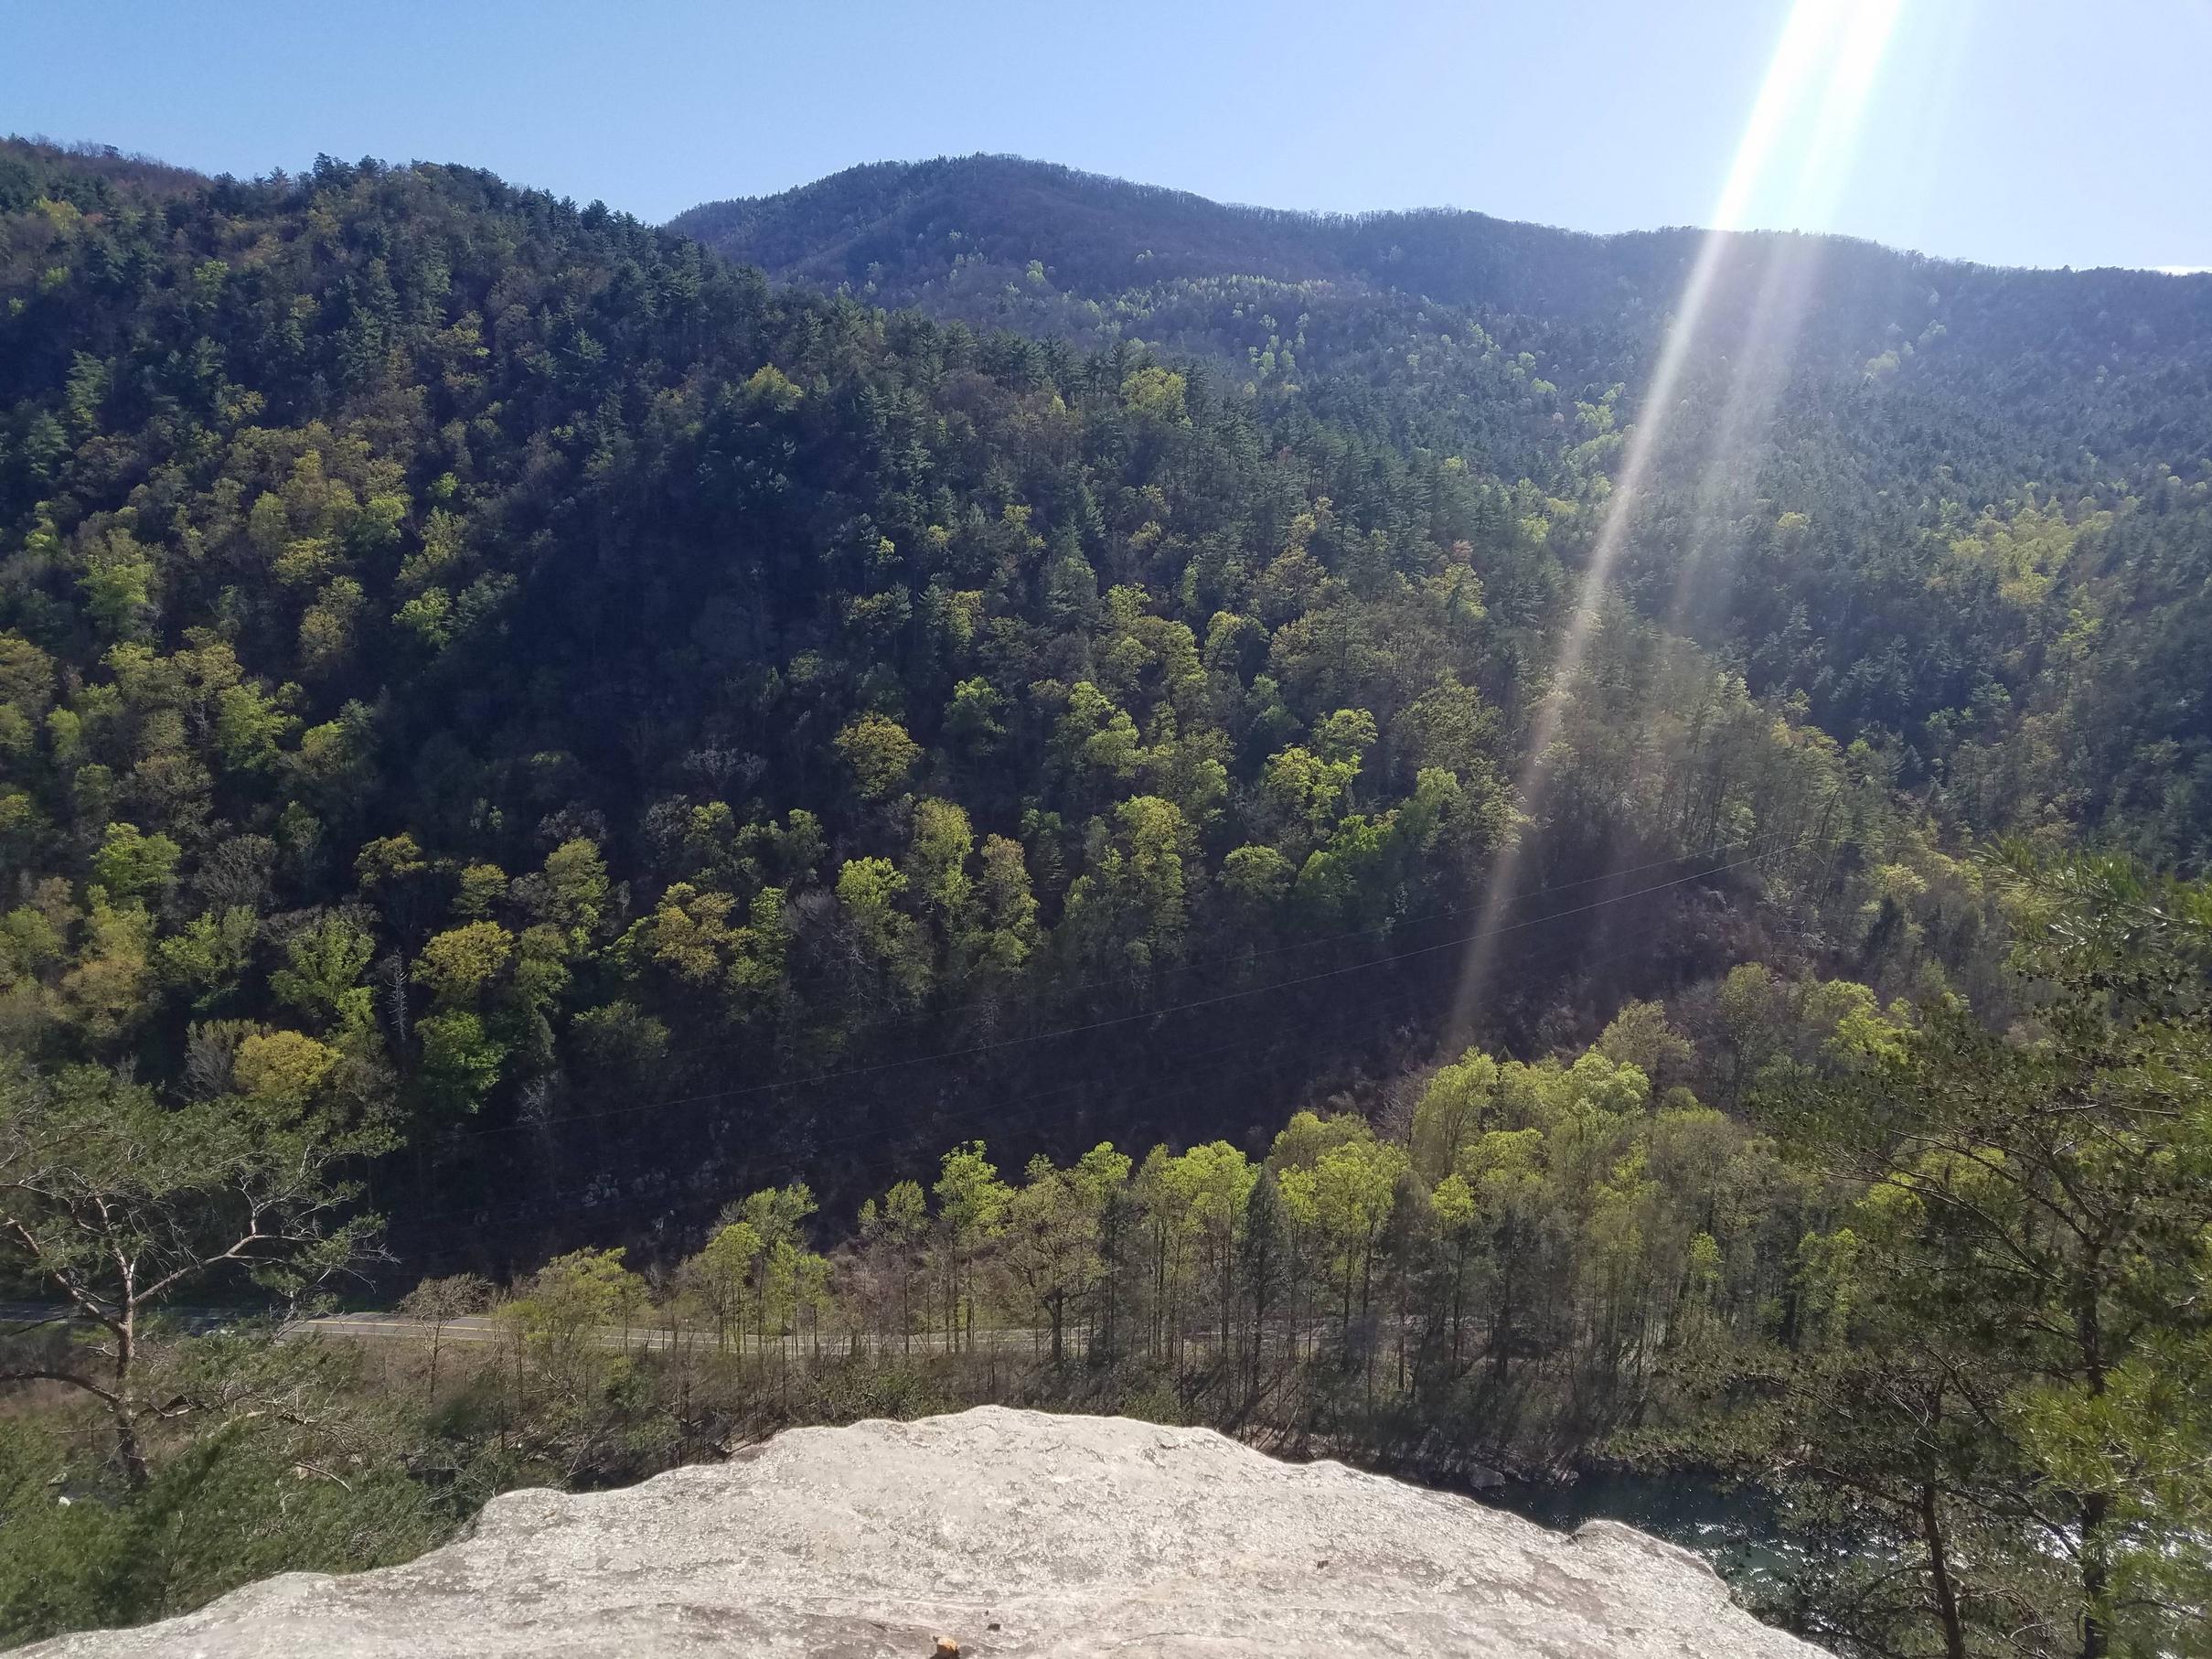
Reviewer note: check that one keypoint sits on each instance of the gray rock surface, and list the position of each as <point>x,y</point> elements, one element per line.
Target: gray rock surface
<point>1013,1532</point>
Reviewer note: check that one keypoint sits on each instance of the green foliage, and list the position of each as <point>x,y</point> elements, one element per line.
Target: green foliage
<point>562,1315</point>
<point>880,754</point>
<point>235,1507</point>
<point>1860,1298</point>
<point>457,965</point>
<point>923,723</point>
<point>465,657</point>
<point>460,1060</point>
<point>132,865</point>
<point>1996,1342</point>
<point>324,964</point>
<point>115,1204</point>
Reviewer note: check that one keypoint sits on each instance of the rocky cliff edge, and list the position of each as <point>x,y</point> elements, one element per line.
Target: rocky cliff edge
<point>1010,1532</point>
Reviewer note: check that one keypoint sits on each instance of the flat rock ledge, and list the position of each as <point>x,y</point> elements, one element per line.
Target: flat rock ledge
<point>1011,1531</point>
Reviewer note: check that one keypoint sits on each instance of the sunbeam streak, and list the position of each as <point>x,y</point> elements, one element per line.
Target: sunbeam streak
<point>1759,363</point>
<point>1826,59</point>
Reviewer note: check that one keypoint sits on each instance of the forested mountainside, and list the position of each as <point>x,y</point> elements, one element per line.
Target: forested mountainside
<point>528,747</point>
<point>1860,428</point>
<point>2110,362</point>
<point>498,658</point>
<point>507,663</point>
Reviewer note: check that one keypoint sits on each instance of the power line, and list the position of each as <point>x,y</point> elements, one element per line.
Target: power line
<point>1002,1116</point>
<point>1006,1115</point>
<point>1218,999</point>
<point>938,1016</point>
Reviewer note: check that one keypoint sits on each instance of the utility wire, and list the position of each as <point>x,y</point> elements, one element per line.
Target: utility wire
<point>1002,1116</point>
<point>1218,999</point>
<point>938,1016</point>
<point>1005,1115</point>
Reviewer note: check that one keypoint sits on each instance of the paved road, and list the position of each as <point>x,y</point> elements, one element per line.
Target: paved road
<point>469,1328</point>
<point>15,1316</point>
<point>483,1328</point>
<point>385,1325</point>
<point>374,1324</point>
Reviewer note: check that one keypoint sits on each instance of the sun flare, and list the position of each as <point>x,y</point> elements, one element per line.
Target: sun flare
<point>1794,156</point>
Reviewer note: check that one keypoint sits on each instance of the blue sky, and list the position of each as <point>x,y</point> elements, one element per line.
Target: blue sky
<point>2025,131</point>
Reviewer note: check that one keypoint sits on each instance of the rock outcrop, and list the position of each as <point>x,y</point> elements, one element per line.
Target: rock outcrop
<point>1011,1531</point>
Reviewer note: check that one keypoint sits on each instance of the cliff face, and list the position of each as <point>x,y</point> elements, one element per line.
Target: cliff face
<point>1011,1532</point>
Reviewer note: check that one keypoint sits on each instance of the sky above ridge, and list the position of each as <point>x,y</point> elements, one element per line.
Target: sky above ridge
<point>2017,131</point>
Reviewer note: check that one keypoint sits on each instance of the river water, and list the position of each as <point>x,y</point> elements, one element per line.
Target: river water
<point>1733,1527</point>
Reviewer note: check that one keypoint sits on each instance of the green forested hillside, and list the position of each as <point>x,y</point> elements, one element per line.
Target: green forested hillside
<point>532,671</point>
<point>517,729</point>
<point>1949,479</point>
<point>572,694</point>
<point>2102,366</point>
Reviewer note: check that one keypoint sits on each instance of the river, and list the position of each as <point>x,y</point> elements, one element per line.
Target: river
<point>1735,1527</point>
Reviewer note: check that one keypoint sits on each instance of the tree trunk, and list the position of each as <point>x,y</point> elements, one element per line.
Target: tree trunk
<point>126,1407</point>
<point>2096,1576</point>
<point>2096,1506</point>
<point>1938,1570</point>
<point>127,1449</point>
<point>1458,1297</point>
<point>1344,1317</point>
